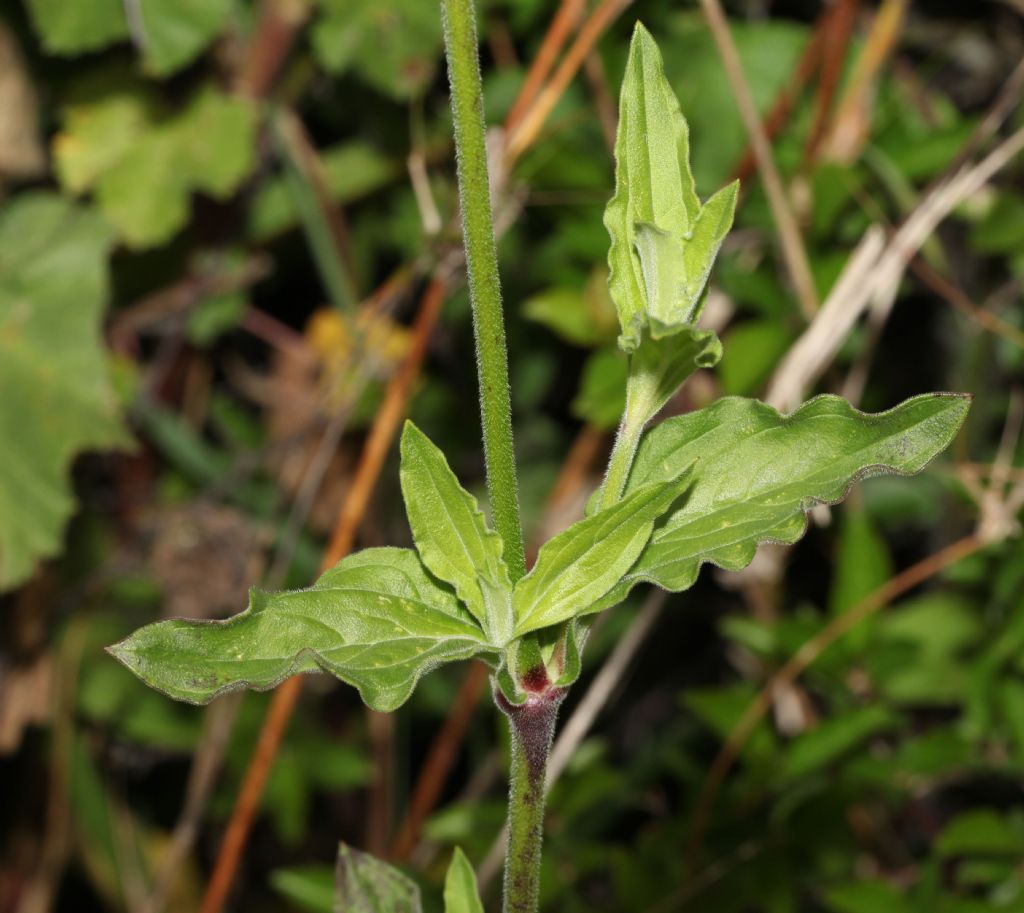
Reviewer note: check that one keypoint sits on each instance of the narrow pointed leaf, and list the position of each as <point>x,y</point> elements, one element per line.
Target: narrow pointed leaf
<point>700,251</point>
<point>579,566</point>
<point>460,891</point>
<point>759,472</point>
<point>376,621</point>
<point>365,884</point>
<point>452,536</point>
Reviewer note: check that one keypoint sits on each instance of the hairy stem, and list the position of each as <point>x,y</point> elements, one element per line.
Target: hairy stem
<point>641,404</point>
<point>532,726</point>
<point>482,269</point>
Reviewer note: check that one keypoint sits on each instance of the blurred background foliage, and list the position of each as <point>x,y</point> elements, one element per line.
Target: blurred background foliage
<point>222,225</point>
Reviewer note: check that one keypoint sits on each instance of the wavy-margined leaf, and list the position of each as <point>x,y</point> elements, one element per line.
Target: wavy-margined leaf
<point>56,398</point>
<point>376,621</point>
<point>365,884</point>
<point>580,565</point>
<point>452,536</point>
<point>460,891</point>
<point>760,471</point>
<point>663,241</point>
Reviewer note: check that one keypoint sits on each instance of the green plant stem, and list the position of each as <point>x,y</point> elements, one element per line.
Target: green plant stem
<point>532,726</point>
<point>641,404</point>
<point>482,269</point>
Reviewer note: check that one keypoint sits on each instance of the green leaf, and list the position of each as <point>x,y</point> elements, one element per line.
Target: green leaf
<point>123,141</point>
<point>833,738</point>
<point>862,565</point>
<point>579,566</point>
<point>584,317</point>
<point>452,536</point>
<point>602,392</point>
<point>981,832</point>
<point>364,884</point>
<point>460,890</point>
<point>752,350</point>
<point>308,887</point>
<point>664,242</point>
<point>759,472</point>
<point>57,400</point>
<point>171,33</point>
<point>868,897</point>
<point>175,32</point>
<point>392,44</point>
<point>75,28</point>
<point>375,620</point>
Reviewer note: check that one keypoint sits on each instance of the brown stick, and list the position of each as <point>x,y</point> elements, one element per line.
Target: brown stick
<point>279,22</point>
<point>793,252</point>
<point>786,100</point>
<point>353,509</point>
<point>835,43</point>
<point>963,303</point>
<point>562,24</point>
<point>526,130</point>
<point>805,657</point>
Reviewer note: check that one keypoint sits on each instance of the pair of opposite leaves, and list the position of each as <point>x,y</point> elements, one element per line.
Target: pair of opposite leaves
<point>708,486</point>
<point>705,487</point>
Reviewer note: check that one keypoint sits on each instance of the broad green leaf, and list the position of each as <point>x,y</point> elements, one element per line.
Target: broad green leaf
<point>580,565</point>
<point>376,621</point>
<point>759,472</point>
<point>124,141</point>
<point>56,398</point>
<point>452,536</point>
<point>460,890</point>
<point>392,44</point>
<point>664,242</point>
<point>170,33</point>
<point>365,884</point>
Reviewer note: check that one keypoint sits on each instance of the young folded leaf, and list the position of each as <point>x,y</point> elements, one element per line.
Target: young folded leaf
<point>452,536</point>
<point>365,884</point>
<point>376,620</point>
<point>664,242</point>
<point>460,890</point>
<point>759,472</point>
<point>579,566</point>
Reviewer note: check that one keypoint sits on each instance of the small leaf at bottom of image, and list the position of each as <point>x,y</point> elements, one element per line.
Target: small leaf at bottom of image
<point>460,890</point>
<point>365,884</point>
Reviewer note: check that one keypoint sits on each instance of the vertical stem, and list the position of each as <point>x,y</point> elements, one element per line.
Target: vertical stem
<point>532,725</point>
<point>482,268</point>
